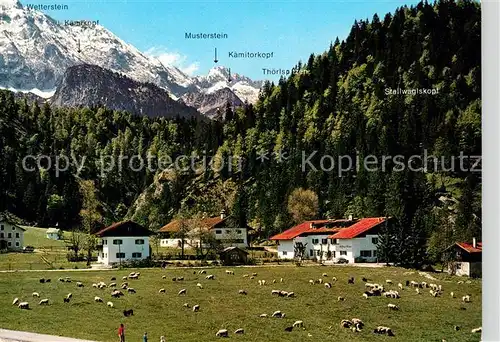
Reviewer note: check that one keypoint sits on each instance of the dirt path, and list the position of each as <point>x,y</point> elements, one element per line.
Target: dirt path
<point>24,336</point>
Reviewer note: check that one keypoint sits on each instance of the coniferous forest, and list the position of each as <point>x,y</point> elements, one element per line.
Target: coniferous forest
<point>335,103</point>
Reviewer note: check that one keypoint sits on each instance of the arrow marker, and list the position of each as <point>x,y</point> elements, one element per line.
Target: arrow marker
<point>215,59</point>
<point>229,77</point>
<point>79,46</point>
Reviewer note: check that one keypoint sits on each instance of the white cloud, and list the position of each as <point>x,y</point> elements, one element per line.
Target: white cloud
<point>173,59</point>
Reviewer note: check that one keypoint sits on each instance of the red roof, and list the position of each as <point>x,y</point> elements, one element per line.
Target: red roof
<point>207,223</point>
<point>298,230</point>
<point>360,227</point>
<point>124,228</point>
<point>469,248</point>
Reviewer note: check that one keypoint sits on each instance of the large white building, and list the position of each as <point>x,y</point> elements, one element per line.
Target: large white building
<point>11,235</point>
<point>123,241</point>
<point>353,240</point>
<point>222,227</point>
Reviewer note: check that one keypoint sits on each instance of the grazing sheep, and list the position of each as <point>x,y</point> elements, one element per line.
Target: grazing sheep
<point>24,305</point>
<point>278,314</point>
<point>456,327</point>
<point>245,276</point>
<point>66,300</point>
<point>254,274</point>
<point>222,333</point>
<point>69,295</point>
<point>15,301</point>
<point>124,278</point>
<point>113,278</point>
<point>365,295</point>
<point>275,292</point>
<point>466,299</point>
<point>262,282</point>
<point>68,280</point>
<point>274,281</point>
<point>79,284</point>
<point>182,292</point>
<point>290,294</point>
<point>358,322</point>
<point>477,330</point>
<point>42,280</point>
<point>202,272</point>
<point>163,277</point>
<point>364,279</point>
<point>95,285</point>
<point>400,286</point>
<point>325,275</point>
<point>210,277</point>
<point>383,330</point>
<point>417,290</point>
<point>110,304</point>
<point>161,291</point>
<point>47,280</point>
<point>186,305</point>
<point>298,324</point>
<point>393,306</point>
<point>124,286</point>
<point>180,278</point>
<point>35,294</point>
<point>340,299</point>
<point>242,292</point>
<point>162,339</point>
<point>131,290</point>
<point>388,281</point>
<point>196,308</point>
<point>98,299</point>
<point>460,282</point>
<point>350,280</point>
<point>239,331</point>
<point>289,329</point>
<point>128,313</point>
<point>334,279</point>
<point>320,281</point>
<point>112,285</point>
<point>311,282</point>
<point>61,280</point>
<point>44,301</point>
<point>263,315</point>
<point>345,323</point>
<point>328,285</point>
<point>407,283</point>
<point>281,280</point>
<point>229,272</point>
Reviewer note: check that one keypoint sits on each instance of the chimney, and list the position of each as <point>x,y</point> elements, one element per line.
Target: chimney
<point>222,214</point>
<point>311,225</point>
<point>350,217</point>
<point>474,242</point>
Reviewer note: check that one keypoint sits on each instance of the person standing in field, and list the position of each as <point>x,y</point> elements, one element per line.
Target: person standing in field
<point>121,332</point>
<point>145,337</point>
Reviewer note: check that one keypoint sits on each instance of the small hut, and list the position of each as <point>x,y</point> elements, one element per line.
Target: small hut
<point>233,256</point>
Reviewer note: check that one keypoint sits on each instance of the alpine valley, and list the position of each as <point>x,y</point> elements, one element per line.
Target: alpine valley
<point>36,52</point>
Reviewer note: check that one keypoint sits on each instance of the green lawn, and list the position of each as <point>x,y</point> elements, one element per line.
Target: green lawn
<point>49,254</point>
<point>420,318</point>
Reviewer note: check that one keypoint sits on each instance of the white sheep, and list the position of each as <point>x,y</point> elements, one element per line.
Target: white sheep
<point>239,331</point>
<point>110,304</point>
<point>202,272</point>
<point>24,305</point>
<point>334,279</point>
<point>400,286</point>
<point>298,324</point>
<point>477,330</point>
<point>182,292</point>
<point>466,299</point>
<point>196,308</point>
<point>69,295</point>
<point>262,282</point>
<point>281,280</point>
<point>163,277</point>
<point>112,285</point>
<point>388,281</point>
<point>278,314</point>
<point>263,315</point>
<point>124,278</point>
<point>186,305</point>
<point>328,285</point>
<point>36,294</point>
<point>320,281</point>
<point>98,299</point>
<point>365,295</point>
<point>44,301</point>
<point>290,294</point>
<point>325,275</point>
<point>245,276</point>
<point>392,306</point>
<point>417,290</point>
<point>340,299</point>
<point>311,282</point>
<point>221,333</point>
<point>199,286</point>
<point>242,292</point>
<point>210,276</point>
<point>161,291</point>
<point>274,292</point>
<point>79,284</point>
<point>131,290</point>
<point>274,281</point>
<point>229,272</point>
<point>95,285</point>
<point>452,294</point>
<point>15,301</point>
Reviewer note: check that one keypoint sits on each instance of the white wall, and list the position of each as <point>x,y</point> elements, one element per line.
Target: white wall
<point>14,242</point>
<point>128,246</point>
<point>225,234</point>
<point>285,249</point>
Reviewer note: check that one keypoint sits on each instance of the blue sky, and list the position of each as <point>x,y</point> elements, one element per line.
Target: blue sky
<point>291,29</point>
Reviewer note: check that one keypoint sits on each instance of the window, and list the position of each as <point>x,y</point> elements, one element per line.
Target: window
<point>315,241</point>
<point>324,241</point>
<point>120,255</point>
<point>117,242</point>
<point>218,231</point>
<point>334,241</point>
<point>17,235</point>
<point>318,252</point>
<point>375,241</point>
<point>9,243</point>
<point>1,235</point>
<point>311,252</point>
<point>375,254</point>
<point>9,235</point>
<point>13,228</point>
<point>1,227</point>
<point>136,255</point>
<point>104,242</point>
<point>343,252</point>
<point>238,231</point>
<point>139,242</point>
<point>333,254</point>
<point>285,252</point>
<point>105,255</point>
<point>366,254</point>
<point>459,265</point>
<point>17,244</point>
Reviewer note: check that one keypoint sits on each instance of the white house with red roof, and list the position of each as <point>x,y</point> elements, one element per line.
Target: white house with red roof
<point>123,241</point>
<point>332,240</point>
<point>466,258</point>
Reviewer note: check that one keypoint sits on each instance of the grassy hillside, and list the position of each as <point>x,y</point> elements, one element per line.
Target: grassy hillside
<point>420,318</point>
